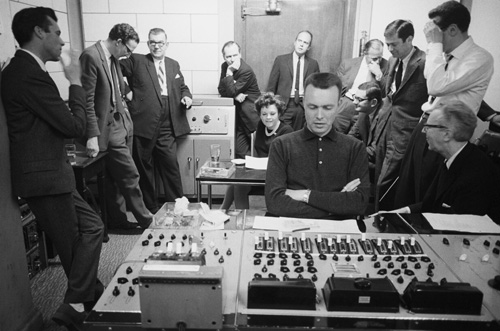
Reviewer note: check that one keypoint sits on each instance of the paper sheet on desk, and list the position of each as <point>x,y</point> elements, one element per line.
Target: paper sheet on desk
<point>258,163</point>
<point>287,224</point>
<point>462,223</point>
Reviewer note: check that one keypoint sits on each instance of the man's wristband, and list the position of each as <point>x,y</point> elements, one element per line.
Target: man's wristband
<point>305,198</point>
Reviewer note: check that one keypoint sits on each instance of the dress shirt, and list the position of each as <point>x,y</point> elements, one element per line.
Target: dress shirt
<point>301,77</point>
<point>405,65</point>
<point>157,67</point>
<point>364,75</point>
<point>466,79</point>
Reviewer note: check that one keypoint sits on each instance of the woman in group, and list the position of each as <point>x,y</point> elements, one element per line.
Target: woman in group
<point>270,108</point>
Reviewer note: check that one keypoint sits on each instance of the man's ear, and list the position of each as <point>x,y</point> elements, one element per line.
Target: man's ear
<point>39,32</point>
<point>373,103</point>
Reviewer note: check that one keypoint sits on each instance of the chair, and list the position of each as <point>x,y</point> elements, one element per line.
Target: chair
<point>489,142</point>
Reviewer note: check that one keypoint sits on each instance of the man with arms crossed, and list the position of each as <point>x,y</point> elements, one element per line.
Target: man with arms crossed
<point>39,122</point>
<point>288,83</point>
<point>316,172</point>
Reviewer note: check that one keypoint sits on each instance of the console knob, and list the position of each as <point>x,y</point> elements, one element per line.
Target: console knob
<point>131,291</point>
<point>116,291</point>
<point>495,282</point>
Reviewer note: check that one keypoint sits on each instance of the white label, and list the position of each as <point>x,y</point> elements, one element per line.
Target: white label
<point>365,300</point>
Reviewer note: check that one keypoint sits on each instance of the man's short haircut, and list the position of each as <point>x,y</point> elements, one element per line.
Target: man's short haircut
<point>230,43</point>
<point>458,117</point>
<point>306,31</point>
<point>269,98</point>
<point>25,21</point>
<point>123,31</point>
<point>401,28</point>
<point>451,12</point>
<point>373,91</point>
<point>369,44</point>
<point>323,80</point>
<point>157,31</point>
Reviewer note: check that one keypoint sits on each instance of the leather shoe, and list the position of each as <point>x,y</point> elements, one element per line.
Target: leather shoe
<point>126,225</point>
<point>68,316</point>
<point>98,291</point>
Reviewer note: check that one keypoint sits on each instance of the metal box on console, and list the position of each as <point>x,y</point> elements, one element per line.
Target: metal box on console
<point>181,295</point>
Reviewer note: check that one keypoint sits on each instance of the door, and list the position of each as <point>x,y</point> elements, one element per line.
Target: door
<point>262,37</point>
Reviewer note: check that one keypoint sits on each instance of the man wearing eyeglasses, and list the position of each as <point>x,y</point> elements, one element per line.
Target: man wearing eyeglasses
<point>158,109</point>
<point>467,181</point>
<point>456,69</point>
<point>109,126</point>
<point>367,68</point>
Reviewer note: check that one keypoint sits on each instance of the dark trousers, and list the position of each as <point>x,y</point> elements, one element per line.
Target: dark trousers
<point>122,176</point>
<point>159,155</point>
<point>418,169</point>
<point>76,232</point>
<point>294,115</point>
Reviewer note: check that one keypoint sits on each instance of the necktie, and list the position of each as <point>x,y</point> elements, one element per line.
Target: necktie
<point>399,74</point>
<point>116,87</point>
<point>448,59</point>
<point>161,79</point>
<point>297,83</point>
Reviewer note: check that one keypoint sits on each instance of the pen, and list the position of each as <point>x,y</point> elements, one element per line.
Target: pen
<point>301,229</point>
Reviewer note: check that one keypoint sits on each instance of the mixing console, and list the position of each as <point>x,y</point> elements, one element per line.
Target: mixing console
<point>269,278</point>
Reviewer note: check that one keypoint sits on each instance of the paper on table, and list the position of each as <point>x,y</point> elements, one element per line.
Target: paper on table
<point>258,163</point>
<point>462,223</point>
<point>287,224</point>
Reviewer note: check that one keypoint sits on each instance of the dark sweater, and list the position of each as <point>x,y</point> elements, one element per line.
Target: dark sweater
<point>302,160</point>
<point>263,142</point>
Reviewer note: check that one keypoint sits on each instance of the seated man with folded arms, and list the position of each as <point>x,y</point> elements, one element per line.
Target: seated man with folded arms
<point>316,172</point>
<point>468,181</point>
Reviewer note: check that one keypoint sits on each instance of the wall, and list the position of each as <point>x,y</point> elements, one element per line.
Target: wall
<point>196,31</point>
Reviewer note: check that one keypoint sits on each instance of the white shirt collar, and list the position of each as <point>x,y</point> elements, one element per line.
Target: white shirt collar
<point>37,59</point>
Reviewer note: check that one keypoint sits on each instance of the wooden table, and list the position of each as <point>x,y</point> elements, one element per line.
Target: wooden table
<point>242,176</point>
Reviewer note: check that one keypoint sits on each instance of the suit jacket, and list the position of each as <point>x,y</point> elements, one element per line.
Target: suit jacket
<point>97,82</point>
<point>348,70</point>
<point>412,93</point>
<point>470,186</point>
<point>145,107</point>
<point>244,81</point>
<point>39,121</point>
<point>376,132</point>
<point>281,77</point>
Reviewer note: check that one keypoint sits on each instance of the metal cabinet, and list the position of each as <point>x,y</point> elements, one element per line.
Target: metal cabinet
<point>212,122</point>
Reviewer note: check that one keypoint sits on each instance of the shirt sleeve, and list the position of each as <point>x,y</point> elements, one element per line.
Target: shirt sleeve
<point>459,76</point>
<point>321,204</point>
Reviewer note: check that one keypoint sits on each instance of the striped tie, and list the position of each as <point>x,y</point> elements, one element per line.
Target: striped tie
<point>161,78</point>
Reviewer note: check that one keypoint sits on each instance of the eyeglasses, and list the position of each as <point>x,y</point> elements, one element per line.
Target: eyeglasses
<point>129,51</point>
<point>429,126</point>
<point>358,99</point>
<point>156,43</point>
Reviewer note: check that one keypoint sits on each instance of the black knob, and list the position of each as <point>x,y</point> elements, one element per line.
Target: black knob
<point>116,291</point>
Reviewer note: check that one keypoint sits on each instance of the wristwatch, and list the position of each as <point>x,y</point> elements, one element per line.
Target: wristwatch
<point>305,198</point>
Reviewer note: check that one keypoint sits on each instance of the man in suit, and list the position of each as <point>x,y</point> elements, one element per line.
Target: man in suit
<point>158,110</point>
<point>367,68</point>
<point>238,81</point>
<point>288,83</point>
<point>467,182</point>
<point>109,126</point>
<point>456,69</point>
<point>39,121</point>
<point>406,90</point>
